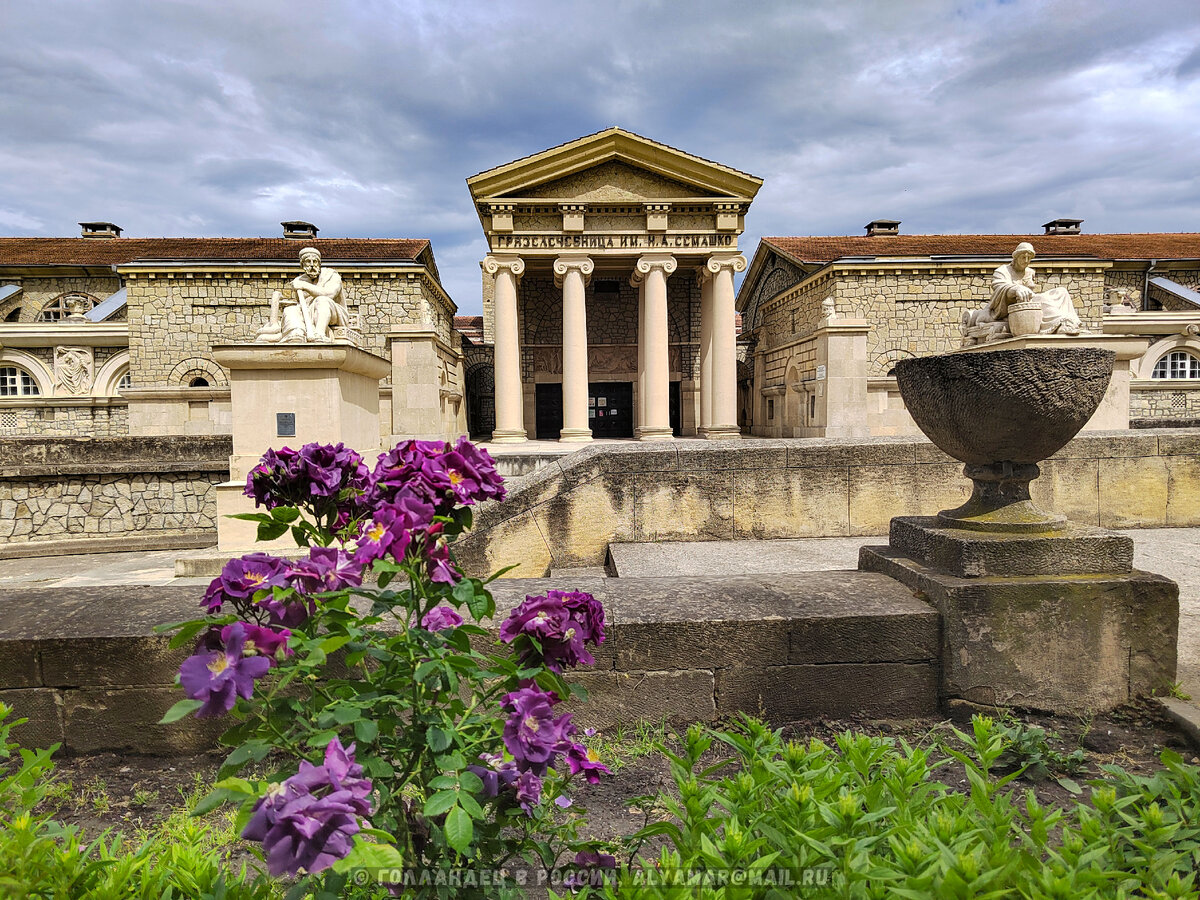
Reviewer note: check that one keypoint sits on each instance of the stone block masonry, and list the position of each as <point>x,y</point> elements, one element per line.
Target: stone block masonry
<point>81,494</point>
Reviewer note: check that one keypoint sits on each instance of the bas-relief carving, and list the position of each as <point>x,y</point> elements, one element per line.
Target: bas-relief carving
<point>318,312</point>
<point>611,360</point>
<point>1016,306</point>
<point>612,182</point>
<point>548,359</point>
<point>74,369</point>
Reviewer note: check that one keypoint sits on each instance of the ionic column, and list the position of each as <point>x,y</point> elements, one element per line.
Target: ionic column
<point>723,388</point>
<point>571,274</point>
<point>705,278</point>
<point>654,372</point>
<point>510,420</point>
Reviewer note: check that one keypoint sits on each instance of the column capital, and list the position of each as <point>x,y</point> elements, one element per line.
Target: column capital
<point>651,261</point>
<point>565,263</point>
<point>734,261</point>
<point>493,264</point>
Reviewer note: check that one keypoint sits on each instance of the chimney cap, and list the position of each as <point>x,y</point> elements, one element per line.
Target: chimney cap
<point>99,230</point>
<point>1063,226</point>
<point>878,227</point>
<point>298,229</point>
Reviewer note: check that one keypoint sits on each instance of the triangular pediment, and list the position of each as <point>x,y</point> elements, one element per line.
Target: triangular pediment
<point>613,181</point>
<point>612,165</point>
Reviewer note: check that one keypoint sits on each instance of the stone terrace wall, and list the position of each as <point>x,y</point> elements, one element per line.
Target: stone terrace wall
<point>59,495</point>
<point>567,514</point>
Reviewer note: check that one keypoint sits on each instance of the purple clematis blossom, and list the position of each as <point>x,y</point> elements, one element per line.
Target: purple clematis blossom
<point>308,822</point>
<point>440,618</point>
<point>219,677</point>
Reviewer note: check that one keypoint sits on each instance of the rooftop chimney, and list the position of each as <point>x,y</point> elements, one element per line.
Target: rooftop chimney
<point>880,227</point>
<point>301,230</point>
<point>1063,226</point>
<point>99,230</point>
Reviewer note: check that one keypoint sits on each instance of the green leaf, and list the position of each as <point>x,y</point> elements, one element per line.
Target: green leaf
<point>286,514</point>
<point>179,710</point>
<point>443,782</point>
<point>1069,784</point>
<point>250,517</point>
<point>213,799</point>
<point>474,810</point>
<point>186,632</point>
<point>470,782</point>
<point>459,829</point>
<point>364,855</point>
<point>451,762</point>
<point>439,803</point>
<point>366,730</point>
<point>439,739</point>
<point>335,642</point>
<point>425,669</point>
<point>269,531</point>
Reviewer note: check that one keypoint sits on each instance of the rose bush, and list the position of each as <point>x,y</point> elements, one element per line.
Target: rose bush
<point>399,737</point>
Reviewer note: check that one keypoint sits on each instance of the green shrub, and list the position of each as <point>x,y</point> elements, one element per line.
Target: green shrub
<point>40,857</point>
<point>868,819</point>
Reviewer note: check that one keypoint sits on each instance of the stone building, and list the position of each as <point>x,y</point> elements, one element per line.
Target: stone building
<point>608,291</point>
<point>105,335</point>
<point>830,316</point>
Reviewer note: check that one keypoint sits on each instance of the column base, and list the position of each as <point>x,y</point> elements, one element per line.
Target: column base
<point>575,435</point>
<point>509,437</point>
<point>650,433</point>
<point>720,432</point>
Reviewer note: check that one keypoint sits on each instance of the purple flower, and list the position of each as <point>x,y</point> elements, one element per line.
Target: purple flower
<point>326,569</point>
<point>594,859</point>
<point>275,480</point>
<point>308,822</point>
<point>245,576</point>
<point>531,733</point>
<point>328,479</point>
<point>219,677</point>
<point>561,622</point>
<point>440,618</point>
<point>437,557</point>
<point>391,529</point>
<point>529,791</point>
<point>539,617</point>
<point>581,759</point>
<point>489,485</point>
<point>439,474</point>
<point>495,773</point>
<point>586,610</point>
<point>260,640</point>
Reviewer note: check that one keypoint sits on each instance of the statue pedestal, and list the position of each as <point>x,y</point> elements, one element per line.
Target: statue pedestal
<point>287,396</point>
<point>1058,622</point>
<point>1113,412</point>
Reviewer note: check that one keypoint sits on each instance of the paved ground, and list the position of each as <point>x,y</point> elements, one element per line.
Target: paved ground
<point>1174,552</point>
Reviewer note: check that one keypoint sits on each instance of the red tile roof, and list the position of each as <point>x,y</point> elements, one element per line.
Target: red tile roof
<point>19,251</point>
<point>1098,246</point>
<point>469,326</point>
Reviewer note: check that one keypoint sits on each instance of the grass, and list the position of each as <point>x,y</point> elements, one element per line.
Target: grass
<point>621,745</point>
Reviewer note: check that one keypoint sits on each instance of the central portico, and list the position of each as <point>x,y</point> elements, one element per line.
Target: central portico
<point>608,290</point>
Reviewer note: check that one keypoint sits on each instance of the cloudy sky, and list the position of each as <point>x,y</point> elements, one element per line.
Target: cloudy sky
<point>224,118</point>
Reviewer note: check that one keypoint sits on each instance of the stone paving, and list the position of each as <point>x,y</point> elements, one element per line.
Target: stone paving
<point>1166,551</point>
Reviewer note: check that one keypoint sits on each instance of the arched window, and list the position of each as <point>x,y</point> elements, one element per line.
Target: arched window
<point>125,381</point>
<point>1177,364</point>
<point>16,382</point>
<point>198,382</point>
<point>65,305</point>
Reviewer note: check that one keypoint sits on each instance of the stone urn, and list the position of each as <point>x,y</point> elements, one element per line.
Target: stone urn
<point>1025,318</point>
<point>1002,412</point>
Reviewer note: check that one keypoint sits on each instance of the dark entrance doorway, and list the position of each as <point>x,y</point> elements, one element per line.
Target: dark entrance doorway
<point>610,409</point>
<point>549,411</point>
<point>676,407</point>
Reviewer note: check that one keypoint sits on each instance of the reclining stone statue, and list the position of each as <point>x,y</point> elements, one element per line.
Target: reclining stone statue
<point>1012,283</point>
<point>318,309</point>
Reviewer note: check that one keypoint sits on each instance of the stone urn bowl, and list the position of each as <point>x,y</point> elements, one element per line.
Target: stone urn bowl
<point>1025,318</point>
<point>1002,412</point>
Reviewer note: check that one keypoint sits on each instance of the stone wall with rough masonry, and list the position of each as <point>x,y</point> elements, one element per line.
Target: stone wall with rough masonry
<point>1163,402</point>
<point>99,418</point>
<point>175,321</point>
<point>37,292</point>
<point>55,489</point>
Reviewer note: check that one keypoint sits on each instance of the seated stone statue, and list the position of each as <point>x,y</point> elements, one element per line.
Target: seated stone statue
<point>1013,283</point>
<point>319,306</point>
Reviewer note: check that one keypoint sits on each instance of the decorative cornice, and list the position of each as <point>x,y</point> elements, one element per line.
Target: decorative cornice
<point>493,264</point>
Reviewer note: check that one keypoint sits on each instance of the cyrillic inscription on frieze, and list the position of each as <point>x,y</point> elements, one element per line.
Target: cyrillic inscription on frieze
<point>612,241</point>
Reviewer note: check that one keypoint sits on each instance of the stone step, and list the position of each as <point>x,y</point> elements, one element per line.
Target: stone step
<point>747,557</point>
<point>84,665</point>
